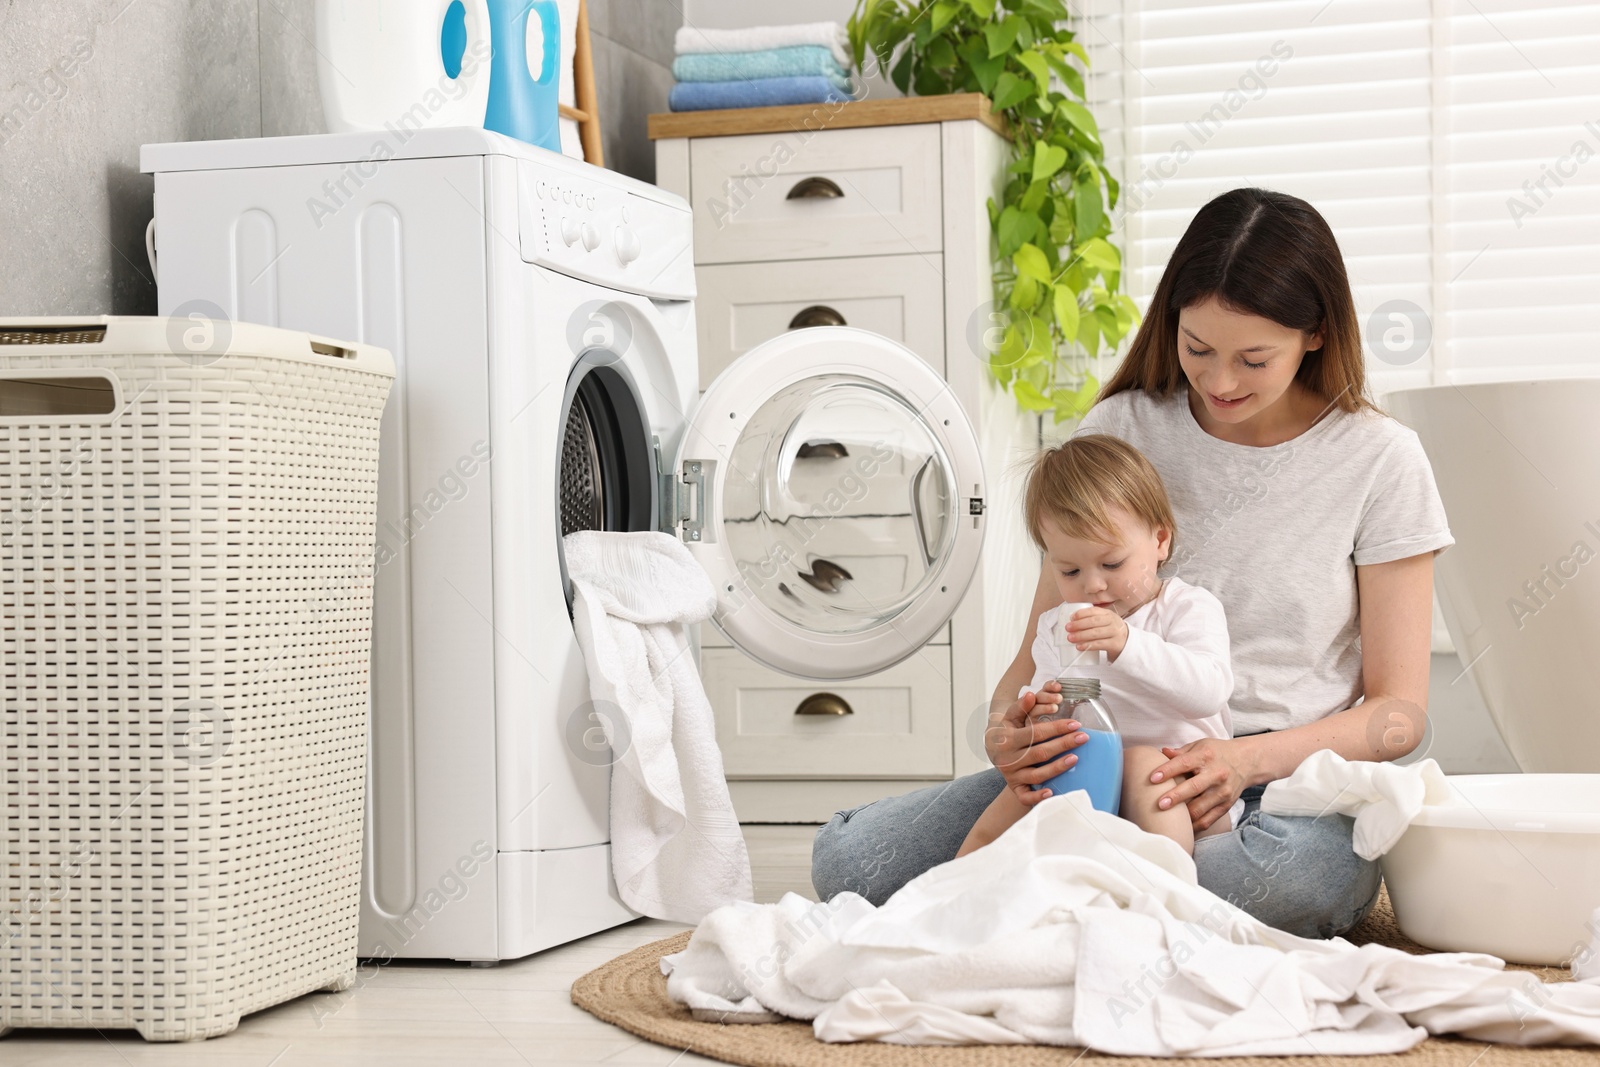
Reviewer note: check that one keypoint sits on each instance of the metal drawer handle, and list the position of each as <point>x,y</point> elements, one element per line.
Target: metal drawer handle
<point>825,575</point>
<point>824,704</point>
<point>814,188</point>
<point>816,315</point>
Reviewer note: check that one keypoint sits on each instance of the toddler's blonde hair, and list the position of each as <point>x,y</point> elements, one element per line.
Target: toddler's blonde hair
<point>1077,483</point>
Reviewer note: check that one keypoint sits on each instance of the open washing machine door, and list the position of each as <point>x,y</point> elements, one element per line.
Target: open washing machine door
<point>831,486</point>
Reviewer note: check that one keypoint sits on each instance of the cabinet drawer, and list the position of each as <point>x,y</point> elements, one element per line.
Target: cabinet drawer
<point>739,306</point>
<point>898,724</point>
<point>747,203</point>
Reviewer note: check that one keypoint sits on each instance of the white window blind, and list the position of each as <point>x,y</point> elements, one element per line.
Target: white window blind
<point>1412,125</point>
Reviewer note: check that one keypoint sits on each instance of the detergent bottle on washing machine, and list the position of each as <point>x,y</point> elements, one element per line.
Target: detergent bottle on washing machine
<point>1099,767</point>
<point>397,65</point>
<point>524,92</point>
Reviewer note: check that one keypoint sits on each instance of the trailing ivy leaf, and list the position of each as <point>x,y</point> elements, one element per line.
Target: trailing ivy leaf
<point>928,82</point>
<point>1088,216</point>
<point>1024,292</point>
<point>1012,346</point>
<point>1041,341</point>
<point>1052,11</point>
<point>1100,254</point>
<point>1089,334</point>
<point>1034,198</point>
<point>1034,63</point>
<point>1077,49</point>
<point>1010,90</point>
<point>1076,115</point>
<point>1001,35</point>
<point>1065,306</point>
<point>1031,263</point>
<point>1106,317</point>
<point>943,12</point>
<point>982,8</point>
<point>1029,398</point>
<point>1047,159</point>
<point>942,54</point>
<point>1024,31</point>
<point>1127,313</point>
<point>901,74</point>
<point>975,52</point>
<point>1074,403</point>
<point>1015,227</point>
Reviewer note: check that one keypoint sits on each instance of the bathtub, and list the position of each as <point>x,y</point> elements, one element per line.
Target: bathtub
<point>1518,468</point>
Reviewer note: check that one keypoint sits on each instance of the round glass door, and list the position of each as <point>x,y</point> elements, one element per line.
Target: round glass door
<point>841,509</point>
<point>839,506</point>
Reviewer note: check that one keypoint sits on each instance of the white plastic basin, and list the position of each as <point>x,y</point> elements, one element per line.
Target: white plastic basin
<point>1513,869</point>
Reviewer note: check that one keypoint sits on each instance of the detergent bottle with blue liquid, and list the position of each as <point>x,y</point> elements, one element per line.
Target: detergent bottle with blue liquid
<point>1099,767</point>
<point>525,85</point>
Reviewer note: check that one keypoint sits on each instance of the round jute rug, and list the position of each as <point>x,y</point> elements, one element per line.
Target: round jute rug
<point>631,992</point>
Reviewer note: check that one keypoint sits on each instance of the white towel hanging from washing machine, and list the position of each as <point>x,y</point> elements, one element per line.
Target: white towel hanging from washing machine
<point>676,848</point>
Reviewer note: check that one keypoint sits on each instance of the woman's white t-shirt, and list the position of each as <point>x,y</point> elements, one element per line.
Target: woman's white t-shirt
<point>1277,533</point>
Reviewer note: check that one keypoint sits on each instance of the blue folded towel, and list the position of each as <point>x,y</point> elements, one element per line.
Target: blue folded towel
<point>798,61</point>
<point>757,92</point>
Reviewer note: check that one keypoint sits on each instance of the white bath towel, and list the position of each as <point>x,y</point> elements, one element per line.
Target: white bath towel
<point>830,35</point>
<point>1077,928</point>
<point>1382,797</point>
<point>676,848</point>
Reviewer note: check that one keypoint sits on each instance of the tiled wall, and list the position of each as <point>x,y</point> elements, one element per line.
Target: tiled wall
<point>88,81</point>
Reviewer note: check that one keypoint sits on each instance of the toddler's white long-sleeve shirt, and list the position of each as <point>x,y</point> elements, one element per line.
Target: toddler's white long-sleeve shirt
<point>1171,684</point>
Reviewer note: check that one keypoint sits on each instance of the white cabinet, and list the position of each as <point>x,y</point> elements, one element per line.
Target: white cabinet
<point>872,215</point>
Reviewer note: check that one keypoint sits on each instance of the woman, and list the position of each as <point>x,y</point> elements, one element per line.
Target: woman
<point>1309,513</point>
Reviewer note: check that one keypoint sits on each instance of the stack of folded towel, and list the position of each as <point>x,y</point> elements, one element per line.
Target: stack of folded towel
<point>762,66</point>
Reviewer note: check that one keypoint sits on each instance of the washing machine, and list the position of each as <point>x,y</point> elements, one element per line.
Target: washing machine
<point>540,313</point>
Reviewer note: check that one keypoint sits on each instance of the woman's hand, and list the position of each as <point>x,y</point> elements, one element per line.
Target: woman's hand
<point>1017,745</point>
<point>1210,776</point>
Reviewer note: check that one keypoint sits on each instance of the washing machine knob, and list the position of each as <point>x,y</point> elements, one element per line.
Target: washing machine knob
<point>591,237</point>
<point>627,241</point>
<point>569,231</point>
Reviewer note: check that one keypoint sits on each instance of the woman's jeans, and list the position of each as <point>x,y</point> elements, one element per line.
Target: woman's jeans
<point>1298,874</point>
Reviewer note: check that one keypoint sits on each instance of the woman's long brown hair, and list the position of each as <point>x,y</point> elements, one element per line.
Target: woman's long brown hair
<point>1266,254</point>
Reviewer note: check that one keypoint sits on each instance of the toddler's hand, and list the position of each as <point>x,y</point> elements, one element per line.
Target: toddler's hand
<point>1098,629</point>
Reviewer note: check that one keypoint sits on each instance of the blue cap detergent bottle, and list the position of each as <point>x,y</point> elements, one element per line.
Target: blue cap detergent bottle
<point>524,83</point>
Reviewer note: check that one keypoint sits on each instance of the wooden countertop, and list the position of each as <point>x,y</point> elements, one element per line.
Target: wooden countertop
<point>895,111</point>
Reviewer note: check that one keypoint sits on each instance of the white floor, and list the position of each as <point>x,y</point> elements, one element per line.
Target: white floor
<point>446,1013</point>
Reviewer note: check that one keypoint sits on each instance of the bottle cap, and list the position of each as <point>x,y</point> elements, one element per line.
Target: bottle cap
<point>1066,654</point>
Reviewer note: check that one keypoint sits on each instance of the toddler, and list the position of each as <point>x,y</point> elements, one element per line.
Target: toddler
<point>1097,509</point>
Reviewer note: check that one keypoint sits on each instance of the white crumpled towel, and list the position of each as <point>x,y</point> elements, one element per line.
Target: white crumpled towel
<point>676,848</point>
<point>1077,928</point>
<point>1382,797</point>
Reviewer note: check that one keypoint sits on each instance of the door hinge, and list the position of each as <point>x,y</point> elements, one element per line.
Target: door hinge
<point>682,498</point>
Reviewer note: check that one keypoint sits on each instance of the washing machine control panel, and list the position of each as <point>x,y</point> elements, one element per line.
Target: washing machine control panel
<point>604,234</point>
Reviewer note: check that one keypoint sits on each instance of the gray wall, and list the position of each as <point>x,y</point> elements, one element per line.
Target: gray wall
<point>88,81</point>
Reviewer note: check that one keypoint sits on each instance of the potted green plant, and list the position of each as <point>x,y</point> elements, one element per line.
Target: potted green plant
<point>1056,274</point>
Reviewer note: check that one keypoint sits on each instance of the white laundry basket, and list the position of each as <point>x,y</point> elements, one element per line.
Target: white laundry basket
<point>186,554</point>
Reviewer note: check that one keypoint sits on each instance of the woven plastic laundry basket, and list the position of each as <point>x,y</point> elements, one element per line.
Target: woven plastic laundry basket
<point>186,534</point>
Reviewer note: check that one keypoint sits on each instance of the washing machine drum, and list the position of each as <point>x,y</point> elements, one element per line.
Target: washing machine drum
<point>606,477</point>
<point>582,485</point>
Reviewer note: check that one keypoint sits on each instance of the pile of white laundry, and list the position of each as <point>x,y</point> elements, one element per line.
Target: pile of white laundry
<point>1077,928</point>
